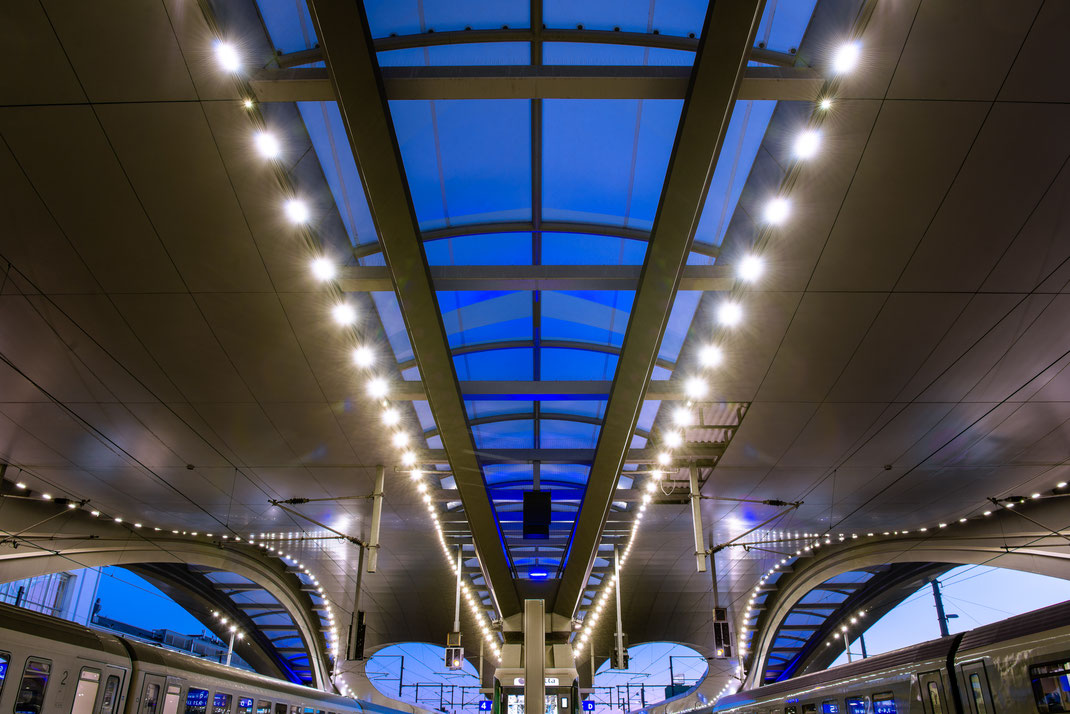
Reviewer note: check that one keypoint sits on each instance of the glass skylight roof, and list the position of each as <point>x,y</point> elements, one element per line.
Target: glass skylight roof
<point>489,173</point>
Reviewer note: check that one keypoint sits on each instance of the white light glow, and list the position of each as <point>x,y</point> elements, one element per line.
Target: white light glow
<point>729,313</point>
<point>711,356</point>
<point>696,388</point>
<point>400,439</point>
<point>673,439</point>
<point>776,211</point>
<point>807,143</point>
<point>323,269</point>
<point>825,104</point>
<point>377,388</point>
<point>267,144</point>
<point>750,268</point>
<point>227,56</point>
<point>363,356</point>
<point>664,459</point>
<point>846,57</point>
<point>297,210</point>
<point>682,416</point>
<point>344,314</point>
<point>391,416</point>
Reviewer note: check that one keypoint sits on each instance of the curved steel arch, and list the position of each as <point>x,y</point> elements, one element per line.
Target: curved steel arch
<point>88,542</point>
<point>595,229</point>
<point>1003,540</point>
<point>521,344</point>
<point>522,416</point>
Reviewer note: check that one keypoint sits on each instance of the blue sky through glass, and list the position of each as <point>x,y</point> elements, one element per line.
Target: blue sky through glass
<point>978,594</point>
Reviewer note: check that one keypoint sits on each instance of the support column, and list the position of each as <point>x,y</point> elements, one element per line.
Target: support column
<point>696,521</point>
<point>619,636</point>
<point>377,515</point>
<point>534,656</point>
<point>355,645</point>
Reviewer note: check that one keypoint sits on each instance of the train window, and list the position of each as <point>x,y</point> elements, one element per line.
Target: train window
<point>31,696</point>
<point>978,695</point>
<point>934,698</point>
<point>295,709</point>
<point>280,708</point>
<point>151,699</point>
<point>263,707</point>
<point>1051,686</point>
<point>221,703</point>
<point>856,705</point>
<point>809,709</point>
<point>111,693</point>
<point>884,703</point>
<point>245,705</point>
<point>5,660</point>
<point>791,709</point>
<point>171,699</point>
<point>830,706</point>
<point>85,695</point>
<point>196,701</point>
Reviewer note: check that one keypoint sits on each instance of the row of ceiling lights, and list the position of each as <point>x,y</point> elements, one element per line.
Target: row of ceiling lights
<point>729,314</point>
<point>751,267</point>
<point>363,353</point>
<point>1059,489</point>
<point>286,558</point>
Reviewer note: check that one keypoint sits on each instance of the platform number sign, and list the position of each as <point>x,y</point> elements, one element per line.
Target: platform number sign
<point>485,705</point>
<point>588,705</point>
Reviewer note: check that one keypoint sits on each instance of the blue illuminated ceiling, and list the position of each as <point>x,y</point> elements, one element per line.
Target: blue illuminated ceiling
<point>537,182</point>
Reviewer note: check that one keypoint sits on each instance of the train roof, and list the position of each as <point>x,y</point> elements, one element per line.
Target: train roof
<point>1029,623</point>
<point>1023,625</point>
<point>53,628</point>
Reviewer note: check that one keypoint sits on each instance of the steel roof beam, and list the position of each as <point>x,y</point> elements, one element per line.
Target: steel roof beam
<point>716,82</point>
<point>536,82</point>
<point>521,344</point>
<point>535,277</point>
<point>704,454</point>
<point>564,390</point>
<point>343,32</point>
<point>546,34</point>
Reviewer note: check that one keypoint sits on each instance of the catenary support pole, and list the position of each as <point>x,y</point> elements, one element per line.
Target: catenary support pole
<point>696,520</point>
<point>534,655</point>
<point>940,615</point>
<point>457,601</point>
<point>354,619</point>
<point>616,590</point>
<point>377,516</point>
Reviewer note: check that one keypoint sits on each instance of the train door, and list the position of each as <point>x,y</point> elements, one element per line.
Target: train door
<point>173,697</point>
<point>933,699</point>
<point>978,693</point>
<point>87,691</point>
<point>111,696</point>
<point>152,693</point>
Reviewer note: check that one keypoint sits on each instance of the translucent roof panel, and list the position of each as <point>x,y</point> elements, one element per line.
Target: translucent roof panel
<point>683,311</point>
<point>492,249</point>
<point>566,364</point>
<point>648,413</point>
<point>746,129</point>
<point>479,317</point>
<point>598,317</point>
<point>604,161</point>
<point>568,475</point>
<point>409,17</point>
<point>463,55</point>
<point>575,249</point>
<point>783,24</point>
<point>386,303</point>
<point>507,474</point>
<point>478,408</point>
<point>289,24</point>
<point>558,434</point>
<point>517,434</point>
<point>594,409</point>
<point>324,124</point>
<point>467,161</point>
<point>595,53</point>
<point>508,364</point>
<point>668,17</point>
